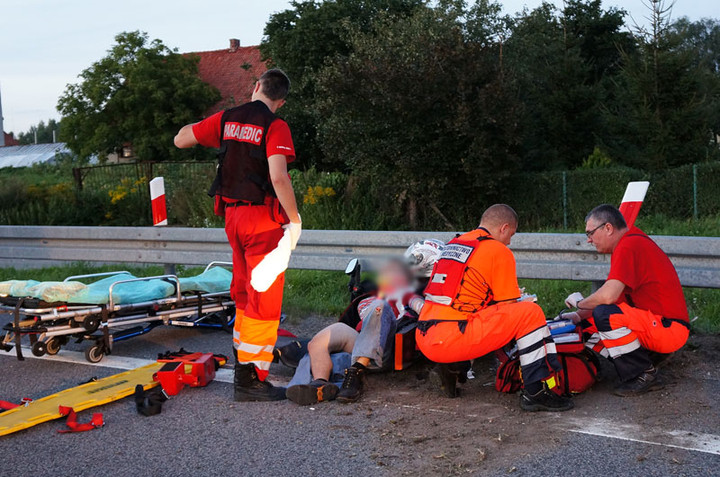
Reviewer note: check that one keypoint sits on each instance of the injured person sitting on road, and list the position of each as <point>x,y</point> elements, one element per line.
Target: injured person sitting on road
<point>364,337</point>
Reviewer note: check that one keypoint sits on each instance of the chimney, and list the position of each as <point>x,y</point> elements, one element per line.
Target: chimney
<point>234,45</point>
<point>2,131</point>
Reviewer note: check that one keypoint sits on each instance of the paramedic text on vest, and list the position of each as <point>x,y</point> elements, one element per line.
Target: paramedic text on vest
<point>472,309</point>
<point>640,307</point>
<point>253,192</point>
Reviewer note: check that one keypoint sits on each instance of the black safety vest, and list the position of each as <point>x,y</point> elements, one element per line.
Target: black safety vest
<point>243,172</point>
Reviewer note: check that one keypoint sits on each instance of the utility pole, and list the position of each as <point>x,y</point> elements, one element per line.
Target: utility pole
<point>2,131</point>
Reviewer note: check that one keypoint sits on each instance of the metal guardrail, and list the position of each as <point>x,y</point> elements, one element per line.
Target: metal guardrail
<point>543,256</point>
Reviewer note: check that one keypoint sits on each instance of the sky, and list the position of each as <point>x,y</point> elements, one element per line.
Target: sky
<point>45,44</point>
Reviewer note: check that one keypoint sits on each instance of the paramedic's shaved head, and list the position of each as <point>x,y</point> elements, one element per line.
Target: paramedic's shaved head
<point>501,221</point>
<point>499,214</point>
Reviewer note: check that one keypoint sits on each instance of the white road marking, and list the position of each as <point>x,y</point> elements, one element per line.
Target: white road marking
<point>678,439</point>
<point>224,375</point>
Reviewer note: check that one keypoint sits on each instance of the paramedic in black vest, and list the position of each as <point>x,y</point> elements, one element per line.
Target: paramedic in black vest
<point>253,192</point>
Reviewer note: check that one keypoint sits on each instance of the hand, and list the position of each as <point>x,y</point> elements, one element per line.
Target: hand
<point>295,229</point>
<point>573,300</point>
<point>572,316</point>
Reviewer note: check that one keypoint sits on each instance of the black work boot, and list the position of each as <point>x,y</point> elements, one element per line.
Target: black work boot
<point>291,354</point>
<point>544,400</point>
<point>447,377</point>
<point>317,391</point>
<point>648,381</point>
<point>248,386</point>
<point>352,386</point>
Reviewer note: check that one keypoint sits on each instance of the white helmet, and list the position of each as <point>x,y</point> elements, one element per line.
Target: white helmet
<point>421,256</point>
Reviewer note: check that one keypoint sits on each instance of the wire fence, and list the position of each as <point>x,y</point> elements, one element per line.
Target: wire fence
<point>547,200</point>
<point>561,199</point>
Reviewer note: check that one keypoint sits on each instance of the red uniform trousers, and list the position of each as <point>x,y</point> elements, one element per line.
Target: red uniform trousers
<point>623,334</point>
<point>253,234</point>
<point>488,330</point>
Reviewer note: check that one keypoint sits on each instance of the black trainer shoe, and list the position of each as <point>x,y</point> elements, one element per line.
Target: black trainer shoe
<point>648,381</point>
<point>445,378</point>
<point>544,400</point>
<point>317,391</point>
<point>248,386</point>
<point>352,386</point>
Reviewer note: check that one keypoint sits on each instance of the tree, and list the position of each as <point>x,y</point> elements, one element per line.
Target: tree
<point>703,39</point>
<point>140,93</point>
<point>43,132</point>
<point>301,39</point>
<point>564,61</point>
<point>668,106</point>
<point>421,111</point>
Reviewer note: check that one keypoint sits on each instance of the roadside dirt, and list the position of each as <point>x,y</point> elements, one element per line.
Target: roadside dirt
<point>414,426</point>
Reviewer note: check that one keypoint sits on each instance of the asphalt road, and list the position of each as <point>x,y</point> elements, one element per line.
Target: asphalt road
<point>400,427</point>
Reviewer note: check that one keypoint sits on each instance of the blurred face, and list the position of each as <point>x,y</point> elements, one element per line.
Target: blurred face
<point>602,235</point>
<point>392,277</point>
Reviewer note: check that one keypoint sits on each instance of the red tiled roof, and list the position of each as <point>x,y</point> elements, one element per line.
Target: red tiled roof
<point>233,72</point>
<point>10,140</point>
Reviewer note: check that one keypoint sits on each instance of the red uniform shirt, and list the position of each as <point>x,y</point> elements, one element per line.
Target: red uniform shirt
<point>651,282</point>
<point>277,140</point>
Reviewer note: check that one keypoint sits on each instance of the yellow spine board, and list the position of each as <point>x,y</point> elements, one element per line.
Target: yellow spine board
<point>79,398</point>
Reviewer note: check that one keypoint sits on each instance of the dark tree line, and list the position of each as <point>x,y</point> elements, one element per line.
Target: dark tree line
<point>449,99</point>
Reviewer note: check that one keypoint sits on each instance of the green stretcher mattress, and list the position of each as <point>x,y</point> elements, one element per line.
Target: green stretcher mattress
<point>216,279</point>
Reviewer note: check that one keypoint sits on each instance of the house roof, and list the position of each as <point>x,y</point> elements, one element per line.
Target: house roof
<point>23,156</point>
<point>10,140</point>
<point>233,71</point>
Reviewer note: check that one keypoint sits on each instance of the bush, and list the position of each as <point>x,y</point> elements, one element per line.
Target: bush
<point>119,195</point>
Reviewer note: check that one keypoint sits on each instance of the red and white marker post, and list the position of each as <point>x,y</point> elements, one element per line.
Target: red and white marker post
<point>157,198</point>
<point>632,200</point>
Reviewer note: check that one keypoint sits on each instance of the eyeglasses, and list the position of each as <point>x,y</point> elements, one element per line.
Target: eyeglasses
<point>590,233</point>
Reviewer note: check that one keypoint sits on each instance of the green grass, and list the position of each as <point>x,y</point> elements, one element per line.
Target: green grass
<point>310,292</point>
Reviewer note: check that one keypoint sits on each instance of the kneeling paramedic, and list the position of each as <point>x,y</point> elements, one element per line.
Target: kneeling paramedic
<point>253,192</point>
<point>640,306</point>
<point>472,309</point>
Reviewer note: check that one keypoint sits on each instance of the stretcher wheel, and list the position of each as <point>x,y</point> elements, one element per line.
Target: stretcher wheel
<point>39,348</point>
<point>91,324</point>
<point>94,354</point>
<point>53,346</point>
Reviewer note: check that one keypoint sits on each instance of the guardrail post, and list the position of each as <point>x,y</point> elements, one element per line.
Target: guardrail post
<point>169,269</point>
<point>595,285</point>
<point>695,192</point>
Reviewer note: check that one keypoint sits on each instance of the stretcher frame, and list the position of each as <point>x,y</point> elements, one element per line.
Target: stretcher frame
<point>49,326</point>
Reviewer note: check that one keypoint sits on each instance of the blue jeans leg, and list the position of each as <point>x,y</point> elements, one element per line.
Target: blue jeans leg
<point>376,337</point>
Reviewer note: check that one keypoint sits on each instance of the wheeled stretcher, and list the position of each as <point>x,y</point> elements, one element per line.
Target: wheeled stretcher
<point>115,307</point>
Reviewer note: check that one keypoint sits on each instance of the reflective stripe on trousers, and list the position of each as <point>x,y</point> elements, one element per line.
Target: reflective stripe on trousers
<point>254,342</point>
<point>537,352</point>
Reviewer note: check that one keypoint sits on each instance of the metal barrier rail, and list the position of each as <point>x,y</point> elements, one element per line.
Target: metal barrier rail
<point>542,256</point>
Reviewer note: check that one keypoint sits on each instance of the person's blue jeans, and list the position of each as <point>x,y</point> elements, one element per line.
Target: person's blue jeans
<point>375,342</point>
<point>377,336</point>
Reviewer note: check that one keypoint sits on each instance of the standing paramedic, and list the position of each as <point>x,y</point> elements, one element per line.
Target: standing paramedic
<point>253,192</point>
<point>472,309</point>
<point>640,307</point>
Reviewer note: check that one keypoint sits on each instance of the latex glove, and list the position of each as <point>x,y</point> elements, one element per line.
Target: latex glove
<point>295,229</point>
<point>572,300</point>
<point>273,264</point>
<point>572,316</point>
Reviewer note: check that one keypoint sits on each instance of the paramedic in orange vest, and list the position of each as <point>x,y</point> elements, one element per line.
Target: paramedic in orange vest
<point>252,178</point>
<point>640,307</point>
<point>472,309</point>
